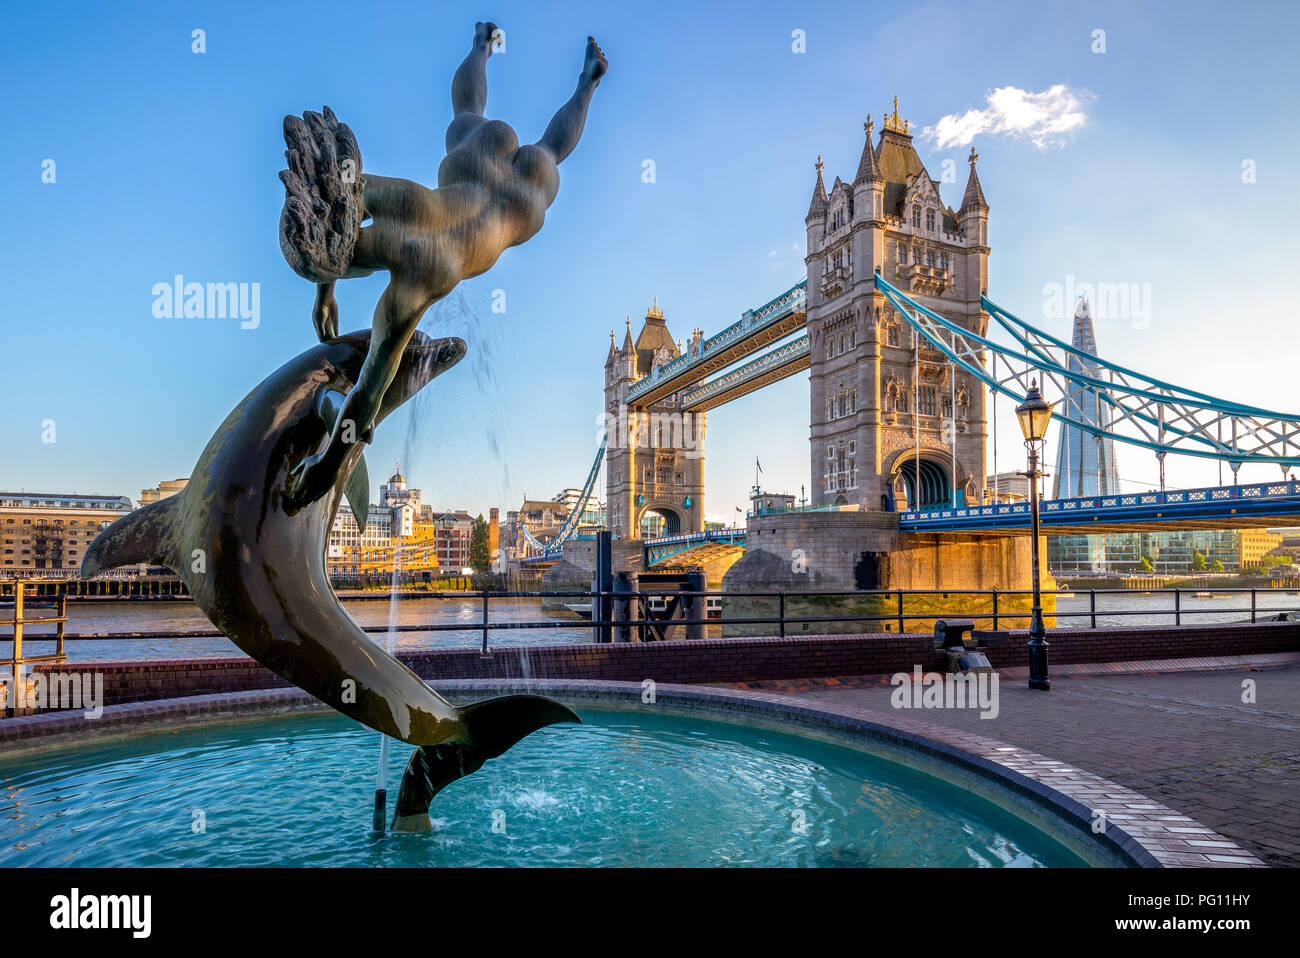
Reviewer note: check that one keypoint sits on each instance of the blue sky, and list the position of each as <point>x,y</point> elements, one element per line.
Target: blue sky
<point>166,163</point>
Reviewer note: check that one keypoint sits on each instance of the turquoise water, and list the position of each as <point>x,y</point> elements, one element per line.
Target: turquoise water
<point>625,789</point>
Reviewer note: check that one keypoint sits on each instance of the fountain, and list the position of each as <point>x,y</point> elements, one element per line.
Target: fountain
<point>247,533</point>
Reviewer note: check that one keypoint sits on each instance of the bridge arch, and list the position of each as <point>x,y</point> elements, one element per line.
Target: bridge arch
<point>935,479</point>
<point>673,521</point>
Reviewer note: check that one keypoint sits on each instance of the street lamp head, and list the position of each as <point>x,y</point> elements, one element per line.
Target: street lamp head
<point>1034,414</point>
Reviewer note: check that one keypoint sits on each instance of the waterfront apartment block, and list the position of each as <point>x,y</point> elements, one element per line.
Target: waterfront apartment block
<point>401,533</point>
<point>46,534</point>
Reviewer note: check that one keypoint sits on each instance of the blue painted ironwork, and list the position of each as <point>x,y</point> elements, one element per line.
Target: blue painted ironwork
<point>1228,503</point>
<point>792,301</point>
<point>1145,411</point>
<point>554,548</point>
<point>769,362</point>
<point>664,548</point>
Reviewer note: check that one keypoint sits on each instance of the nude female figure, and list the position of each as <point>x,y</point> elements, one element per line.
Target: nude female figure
<point>492,194</point>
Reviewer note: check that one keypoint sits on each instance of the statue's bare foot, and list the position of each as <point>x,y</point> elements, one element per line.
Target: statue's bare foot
<point>596,64</point>
<point>325,314</point>
<point>483,35</point>
<point>311,479</point>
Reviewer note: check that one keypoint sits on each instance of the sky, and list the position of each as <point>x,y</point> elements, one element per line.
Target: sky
<point>1169,159</point>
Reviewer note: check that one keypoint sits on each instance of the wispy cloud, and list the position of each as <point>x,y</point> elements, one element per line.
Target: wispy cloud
<point>1045,119</point>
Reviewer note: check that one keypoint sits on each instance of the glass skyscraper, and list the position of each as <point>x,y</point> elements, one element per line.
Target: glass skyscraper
<point>1085,463</point>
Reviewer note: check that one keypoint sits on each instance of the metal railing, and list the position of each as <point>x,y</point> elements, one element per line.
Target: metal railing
<point>17,621</point>
<point>633,613</point>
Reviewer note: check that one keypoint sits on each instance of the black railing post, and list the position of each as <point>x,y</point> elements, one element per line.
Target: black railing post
<point>1178,606</point>
<point>602,583</point>
<point>485,623</point>
<point>1092,607</point>
<point>901,624</point>
<point>781,612</point>
<point>995,610</point>
<point>1252,603</point>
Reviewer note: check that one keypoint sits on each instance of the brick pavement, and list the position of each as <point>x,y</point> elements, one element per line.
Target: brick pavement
<point>1185,739</point>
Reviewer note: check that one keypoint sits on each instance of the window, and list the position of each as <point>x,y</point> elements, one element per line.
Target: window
<point>925,402</point>
<point>853,338</point>
<point>947,406</point>
<point>902,261</point>
<point>900,401</point>
<point>893,335</point>
<point>929,220</point>
<point>943,262</point>
<point>916,256</point>
<point>916,216</point>
<point>929,259</point>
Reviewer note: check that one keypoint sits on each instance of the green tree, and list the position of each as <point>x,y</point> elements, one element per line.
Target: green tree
<point>1198,561</point>
<point>479,560</point>
<point>1216,566</point>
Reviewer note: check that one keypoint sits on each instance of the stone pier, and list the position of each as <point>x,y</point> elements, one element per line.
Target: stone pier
<point>842,550</point>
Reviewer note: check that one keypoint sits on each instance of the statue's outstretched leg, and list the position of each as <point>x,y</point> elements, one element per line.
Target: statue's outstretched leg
<point>565,128</point>
<point>469,86</point>
<point>396,317</point>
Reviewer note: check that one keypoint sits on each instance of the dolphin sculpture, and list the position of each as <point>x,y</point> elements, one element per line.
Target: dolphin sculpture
<point>254,563</point>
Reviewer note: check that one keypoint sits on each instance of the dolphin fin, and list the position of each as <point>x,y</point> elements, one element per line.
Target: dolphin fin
<point>141,536</point>
<point>494,726</point>
<point>357,489</point>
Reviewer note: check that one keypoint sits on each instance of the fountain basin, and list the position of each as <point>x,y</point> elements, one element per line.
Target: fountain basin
<point>699,776</point>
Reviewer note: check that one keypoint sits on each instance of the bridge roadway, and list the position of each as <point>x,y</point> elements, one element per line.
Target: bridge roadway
<point>1216,507</point>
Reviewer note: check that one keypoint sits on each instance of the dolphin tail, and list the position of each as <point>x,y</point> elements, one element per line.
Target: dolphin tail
<point>494,726</point>
<point>141,536</point>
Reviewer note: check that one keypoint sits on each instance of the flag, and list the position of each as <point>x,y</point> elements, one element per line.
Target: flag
<point>758,464</point>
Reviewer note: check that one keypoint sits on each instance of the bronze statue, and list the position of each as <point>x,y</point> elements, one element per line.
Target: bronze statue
<point>247,534</point>
<point>257,570</point>
<point>492,194</point>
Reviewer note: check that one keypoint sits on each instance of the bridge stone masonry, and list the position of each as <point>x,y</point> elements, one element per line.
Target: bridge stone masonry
<point>892,326</point>
<point>893,422</point>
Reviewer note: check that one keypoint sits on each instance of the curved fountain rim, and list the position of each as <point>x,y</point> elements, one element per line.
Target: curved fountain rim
<point>1048,794</point>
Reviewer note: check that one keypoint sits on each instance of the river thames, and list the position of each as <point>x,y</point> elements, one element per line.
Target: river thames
<point>96,629</point>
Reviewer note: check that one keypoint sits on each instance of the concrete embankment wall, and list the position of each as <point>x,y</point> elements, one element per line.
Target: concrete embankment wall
<point>710,661</point>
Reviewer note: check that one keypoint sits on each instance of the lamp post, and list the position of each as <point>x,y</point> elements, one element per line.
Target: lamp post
<point>1034,415</point>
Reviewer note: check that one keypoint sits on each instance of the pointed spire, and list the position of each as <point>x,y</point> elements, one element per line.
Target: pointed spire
<point>974,195</point>
<point>819,199</point>
<point>628,346</point>
<point>868,167</point>
<point>1084,335</point>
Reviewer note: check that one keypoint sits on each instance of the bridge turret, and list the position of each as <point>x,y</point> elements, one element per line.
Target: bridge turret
<point>974,219</point>
<point>816,218</point>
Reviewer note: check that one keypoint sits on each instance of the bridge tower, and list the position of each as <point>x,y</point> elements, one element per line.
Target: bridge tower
<point>878,395</point>
<point>654,456</point>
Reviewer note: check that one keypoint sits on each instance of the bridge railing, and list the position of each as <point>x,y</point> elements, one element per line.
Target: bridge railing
<point>1117,504</point>
<point>753,320</point>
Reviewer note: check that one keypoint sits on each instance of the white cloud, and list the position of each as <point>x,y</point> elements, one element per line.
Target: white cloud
<point>1044,118</point>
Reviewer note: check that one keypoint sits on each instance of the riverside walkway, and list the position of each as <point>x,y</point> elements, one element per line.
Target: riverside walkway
<point>1183,737</point>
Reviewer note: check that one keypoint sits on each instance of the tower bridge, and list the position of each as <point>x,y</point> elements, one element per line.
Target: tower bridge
<point>892,324</point>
